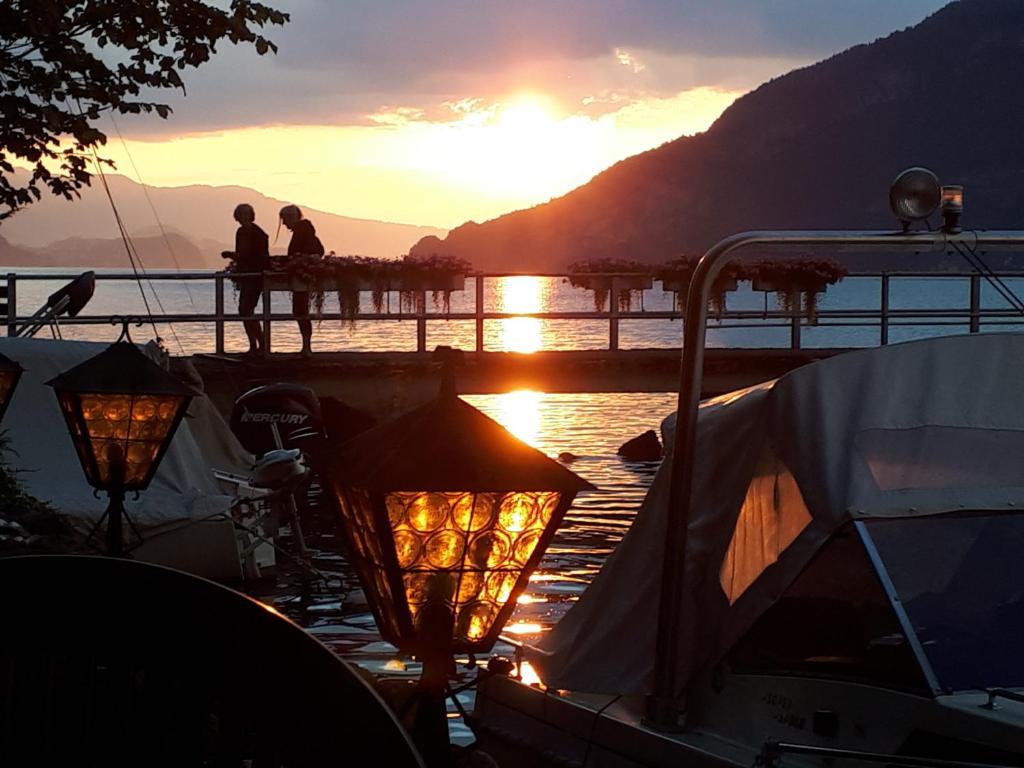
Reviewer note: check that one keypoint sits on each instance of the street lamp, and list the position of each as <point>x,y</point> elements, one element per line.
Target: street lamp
<point>445,515</point>
<point>10,373</point>
<point>122,410</point>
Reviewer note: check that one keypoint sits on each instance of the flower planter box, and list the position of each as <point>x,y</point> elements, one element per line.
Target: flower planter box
<point>772,286</point>
<point>675,285</point>
<point>678,286</point>
<point>280,282</point>
<point>604,283</point>
<point>449,282</point>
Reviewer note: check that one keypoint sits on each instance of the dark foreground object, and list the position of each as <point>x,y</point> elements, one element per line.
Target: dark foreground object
<point>646,447</point>
<point>111,662</point>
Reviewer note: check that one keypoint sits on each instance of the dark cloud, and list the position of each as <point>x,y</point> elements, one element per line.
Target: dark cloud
<point>339,61</point>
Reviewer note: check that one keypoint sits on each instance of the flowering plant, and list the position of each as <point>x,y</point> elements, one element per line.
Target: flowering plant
<point>679,271</point>
<point>790,278</point>
<point>632,277</point>
<point>346,276</point>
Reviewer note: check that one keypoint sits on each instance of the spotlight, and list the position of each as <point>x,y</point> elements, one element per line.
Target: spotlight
<point>914,195</point>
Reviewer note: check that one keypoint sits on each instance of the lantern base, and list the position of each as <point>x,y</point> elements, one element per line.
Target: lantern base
<point>430,724</point>
<point>114,516</point>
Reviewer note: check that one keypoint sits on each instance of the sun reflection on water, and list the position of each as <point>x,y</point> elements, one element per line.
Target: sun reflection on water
<point>519,413</point>
<point>521,294</point>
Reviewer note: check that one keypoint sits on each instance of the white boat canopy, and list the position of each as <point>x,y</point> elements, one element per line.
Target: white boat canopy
<point>915,429</point>
<point>40,448</point>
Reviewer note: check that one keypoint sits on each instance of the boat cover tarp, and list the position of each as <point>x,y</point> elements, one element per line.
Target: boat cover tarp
<point>921,428</point>
<point>40,448</point>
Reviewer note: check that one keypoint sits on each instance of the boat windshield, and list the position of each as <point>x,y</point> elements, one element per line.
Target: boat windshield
<point>961,580</point>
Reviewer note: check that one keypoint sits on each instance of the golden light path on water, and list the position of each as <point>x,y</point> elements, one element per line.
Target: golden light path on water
<point>520,294</point>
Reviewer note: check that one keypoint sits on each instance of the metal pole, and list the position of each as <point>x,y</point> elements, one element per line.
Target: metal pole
<point>613,317</point>
<point>12,304</point>
<point>665,707</point>
<point>883,332</point>
<point>218,310</point>
<point>975,322</point>
<point>421,321</point>
<point>479,313</point>
<point>266,318</point>
<point>430,723</point>
<point>115,513</point>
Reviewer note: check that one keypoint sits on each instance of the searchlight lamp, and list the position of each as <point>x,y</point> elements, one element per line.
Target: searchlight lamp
<point>914,195</point>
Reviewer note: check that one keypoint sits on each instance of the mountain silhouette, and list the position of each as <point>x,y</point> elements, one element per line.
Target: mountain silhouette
<point>815,148</point>
<point>196,219</point>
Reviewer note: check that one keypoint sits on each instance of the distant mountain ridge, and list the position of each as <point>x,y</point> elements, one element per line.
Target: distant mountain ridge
<point>197,221</point>
<point>816,148</point>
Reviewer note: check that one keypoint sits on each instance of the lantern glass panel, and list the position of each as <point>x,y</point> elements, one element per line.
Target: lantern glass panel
<point>357,511</point>
<point>7,379</point>
<point>465,552</point>
<point>124,428</point>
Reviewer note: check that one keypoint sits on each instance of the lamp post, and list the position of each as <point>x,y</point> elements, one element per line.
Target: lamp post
<point>445,515</point>
<point>122,410</point>
<point>10,373</point>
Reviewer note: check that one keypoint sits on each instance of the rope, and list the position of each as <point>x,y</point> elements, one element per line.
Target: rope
<point>149,201</point>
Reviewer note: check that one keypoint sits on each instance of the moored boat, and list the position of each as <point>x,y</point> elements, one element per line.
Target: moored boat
<point>856,584</point>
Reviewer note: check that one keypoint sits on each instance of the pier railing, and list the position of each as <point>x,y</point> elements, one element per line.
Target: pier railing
<point>969,316</point>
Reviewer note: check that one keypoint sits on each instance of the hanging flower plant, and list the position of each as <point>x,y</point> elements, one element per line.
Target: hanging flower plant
<point>794,279</point>
<point>676,275</point>
<point>432,272</point>
<point>631,279</point>
<point>346,276</point>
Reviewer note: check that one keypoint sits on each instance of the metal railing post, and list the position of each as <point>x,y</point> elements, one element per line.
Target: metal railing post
<point>12,304</point>
<point>883,322</point>
<point>218,310</point>
<point>794,329</point>
<point>613,317</point>
<point>266,318</point>
<point>421,321</point>
<point>975,322</point>
<point>479,312</point>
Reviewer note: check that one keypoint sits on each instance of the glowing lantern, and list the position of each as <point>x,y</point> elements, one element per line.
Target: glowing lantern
<point>10,372</point>
<point>446,514</point>
<point>122,410</point>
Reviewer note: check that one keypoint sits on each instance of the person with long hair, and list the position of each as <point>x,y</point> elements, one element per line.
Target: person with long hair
<point>304,241</point>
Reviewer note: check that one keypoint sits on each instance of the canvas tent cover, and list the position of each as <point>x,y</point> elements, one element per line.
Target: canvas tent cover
<point>921,428</point>
<point>184,486</point>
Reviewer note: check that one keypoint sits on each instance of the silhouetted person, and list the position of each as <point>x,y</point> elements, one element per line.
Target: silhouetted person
<point>304,241</point>
<point>251,254</point>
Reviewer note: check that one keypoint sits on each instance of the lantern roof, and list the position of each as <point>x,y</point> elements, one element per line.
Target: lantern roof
<point>448,445</point>
<point>120,369</point>
<point>9,366</point>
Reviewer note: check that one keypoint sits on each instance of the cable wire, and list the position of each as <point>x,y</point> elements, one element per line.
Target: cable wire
<point>135,260</point>
<point>974,259</point>
<point>149,200</point>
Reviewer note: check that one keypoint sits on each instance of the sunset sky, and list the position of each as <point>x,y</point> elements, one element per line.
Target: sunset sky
<point>445,111</point>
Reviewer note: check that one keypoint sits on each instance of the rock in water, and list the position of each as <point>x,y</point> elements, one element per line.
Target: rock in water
<point>646,447</point>
<point>566,458</point>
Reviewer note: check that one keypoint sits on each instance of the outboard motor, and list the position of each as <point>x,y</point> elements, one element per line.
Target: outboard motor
<point>278,423</point>
<point>278,416</point>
